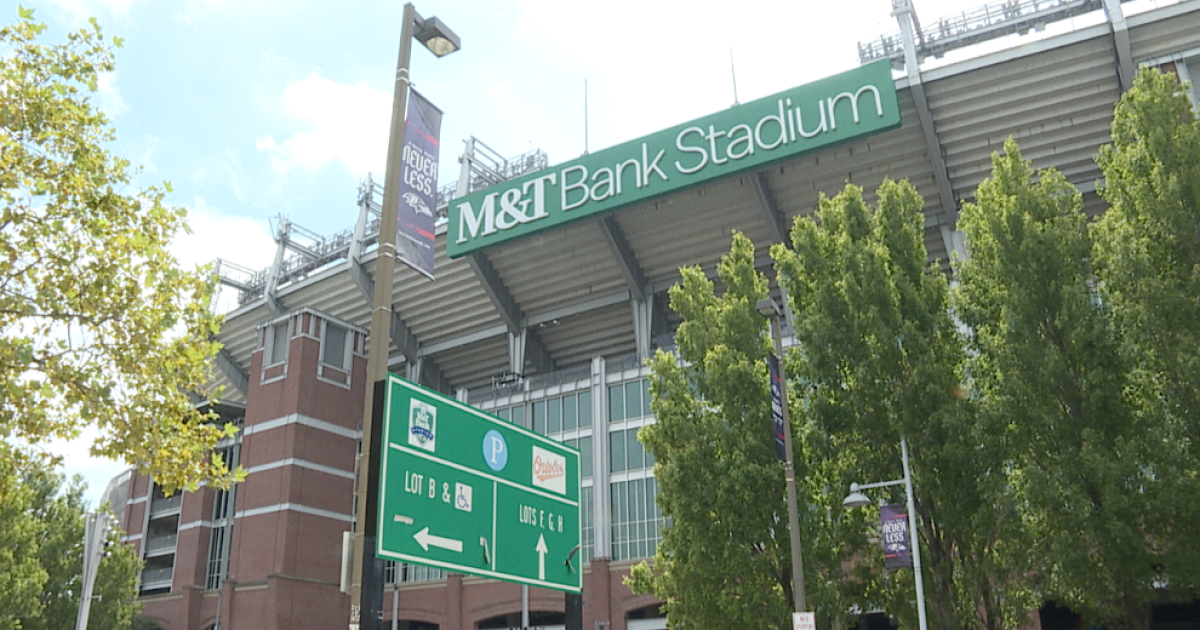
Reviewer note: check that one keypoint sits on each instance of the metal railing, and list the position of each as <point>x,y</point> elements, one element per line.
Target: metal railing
<point>160,543</point>
<point>309,251</point>
<point>989,21</point>
<point>157,578</point>
<point>158,506</point>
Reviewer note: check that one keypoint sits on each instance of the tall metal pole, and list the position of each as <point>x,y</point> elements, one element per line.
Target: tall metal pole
<point>365,588</point>
<point>912,529</point>
<point>789,467</point>
<point>95,530</point>
<point>524,605</point>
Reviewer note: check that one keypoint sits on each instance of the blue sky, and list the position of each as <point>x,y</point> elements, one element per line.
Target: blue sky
<point>258,108</point>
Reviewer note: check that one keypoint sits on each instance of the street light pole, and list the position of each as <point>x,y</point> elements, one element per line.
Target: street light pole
<point>366,587</point>
<point>912,528</point>
<point>95,533</point>
<point>769,308</point>
<point>858,499</point>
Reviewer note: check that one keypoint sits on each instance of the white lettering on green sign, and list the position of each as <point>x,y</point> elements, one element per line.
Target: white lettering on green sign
<point>826,112</point>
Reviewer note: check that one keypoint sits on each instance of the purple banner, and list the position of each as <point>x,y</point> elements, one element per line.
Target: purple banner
<point>418,185</point>
<point>777,408</point>
<point>893,521</point>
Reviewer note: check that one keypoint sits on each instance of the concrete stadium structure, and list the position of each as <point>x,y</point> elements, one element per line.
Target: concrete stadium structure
<point>551,330</point>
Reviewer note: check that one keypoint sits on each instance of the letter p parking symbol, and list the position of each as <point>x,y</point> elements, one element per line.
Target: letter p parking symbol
<point>495,450</point>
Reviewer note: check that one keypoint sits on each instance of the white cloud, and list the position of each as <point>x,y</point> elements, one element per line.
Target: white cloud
<point>240,240</point>
<point>108,98</point>
<point>78,460</point>
<point>226,168</point>
<point>341,123</point>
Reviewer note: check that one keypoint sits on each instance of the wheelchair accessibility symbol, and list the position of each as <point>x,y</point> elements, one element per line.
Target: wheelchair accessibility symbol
<point>462,497</point>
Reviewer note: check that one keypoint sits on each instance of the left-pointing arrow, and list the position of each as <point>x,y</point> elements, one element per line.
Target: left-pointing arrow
<point>427,540</point>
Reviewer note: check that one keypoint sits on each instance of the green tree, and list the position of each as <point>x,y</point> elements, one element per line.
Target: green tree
<point>1147,249</point>
<point>723,561</point>
<point>61,510</point>
<point>44,522</point>
<point>22,576</point>
<point>99,324</point>
<point>142,622</point>
<point>1092,467</point>
<point>1147,258</point>
<point>881,360</point>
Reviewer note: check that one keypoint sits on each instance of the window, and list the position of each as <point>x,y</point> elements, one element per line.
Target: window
<point>616,452</point>
<point>216,559</point>
<point>398,572</point>
<point>629,400</point>
<point>626,451</point>
<point>277,350</point>
<point>584,445</point>
<point>515,415</point>
<point>333,346</point>
<point>563,413</point>
<point>222,529</point>
<point>636,519</point>
<point>588,541</point>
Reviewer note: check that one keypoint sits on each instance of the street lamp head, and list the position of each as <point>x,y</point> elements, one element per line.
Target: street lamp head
<point>855,499</point>
<point>436,36</point>
<point>768,308</point>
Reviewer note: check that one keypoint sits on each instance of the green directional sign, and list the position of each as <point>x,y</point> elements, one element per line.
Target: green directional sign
<point>464,491</point>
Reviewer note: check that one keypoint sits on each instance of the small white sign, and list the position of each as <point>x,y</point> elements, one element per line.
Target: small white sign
<point>804,621</point>
<point>422,425</point>
<point>549,470</point>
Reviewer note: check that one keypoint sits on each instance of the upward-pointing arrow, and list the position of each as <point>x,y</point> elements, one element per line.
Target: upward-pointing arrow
<point>541,549</point>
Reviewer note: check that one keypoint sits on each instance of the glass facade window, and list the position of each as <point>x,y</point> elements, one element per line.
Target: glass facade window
<point>216,544</point>
<point>585,457</point>
<point>629,400</point>
<point>515,415</point>
<point>616,452</point>
<point>222,525</point>
<point>584,444</point>
<point>279,343</point>
<point>626,451</point>
<point>333,346</point>
<point>588,535</point>
<point>636,519</point>
<point>403,572</point>
<point>562,413</point>
<point>634,516</point>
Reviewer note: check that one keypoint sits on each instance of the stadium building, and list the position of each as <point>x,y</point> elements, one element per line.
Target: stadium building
<point>549,328</point>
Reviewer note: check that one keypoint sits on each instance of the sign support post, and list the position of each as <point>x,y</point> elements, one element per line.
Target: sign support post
<point>366,576</point>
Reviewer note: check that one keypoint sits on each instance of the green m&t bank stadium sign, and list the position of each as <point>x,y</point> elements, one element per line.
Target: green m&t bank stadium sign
<point>823,113</point>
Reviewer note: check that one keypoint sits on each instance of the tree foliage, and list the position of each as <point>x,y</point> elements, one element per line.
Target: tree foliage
<point>43,523</point>
<point>99,324</point>
<point>1050,402</point>
<point>1147,250</point>
<point>881,357</point>
<point>1092,465</point>
<point>724,558</point>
